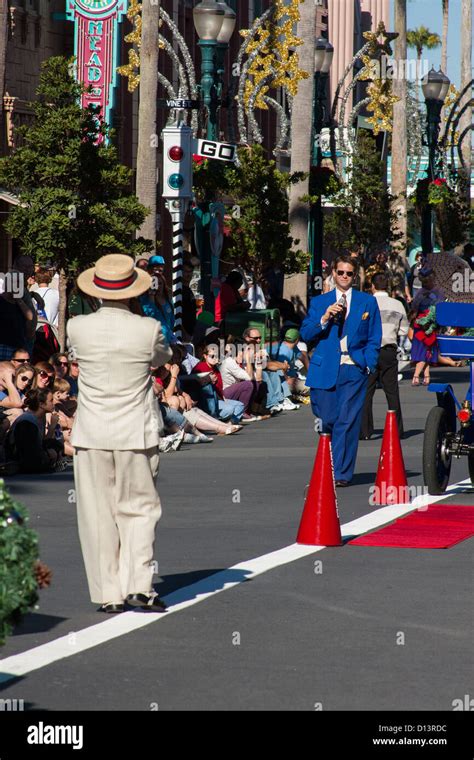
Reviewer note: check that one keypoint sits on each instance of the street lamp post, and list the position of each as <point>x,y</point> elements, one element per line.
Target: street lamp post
<point>323,56</point>
<point>214,23</point>
<point>435,86</point>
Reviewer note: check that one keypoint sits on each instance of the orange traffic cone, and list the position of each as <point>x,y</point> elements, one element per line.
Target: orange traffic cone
<point>391,485</point>
<point>319,524</point>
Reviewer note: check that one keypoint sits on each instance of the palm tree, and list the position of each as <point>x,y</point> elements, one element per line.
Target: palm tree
<point>444,36</point>
<point>420,39</point>
<point>466,76</point>
<point>3,49</point>
<point>399,133</point>
<point>301,148</point>
<point>147,154</point>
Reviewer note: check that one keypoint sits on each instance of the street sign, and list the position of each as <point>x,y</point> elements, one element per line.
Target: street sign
<point>213,149</point>
<point>178,103</point>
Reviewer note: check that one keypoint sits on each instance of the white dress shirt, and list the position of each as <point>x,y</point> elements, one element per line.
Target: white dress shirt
<point>345,358</point>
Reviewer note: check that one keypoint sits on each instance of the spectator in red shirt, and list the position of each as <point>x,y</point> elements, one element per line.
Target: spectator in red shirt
<point>229,298</point>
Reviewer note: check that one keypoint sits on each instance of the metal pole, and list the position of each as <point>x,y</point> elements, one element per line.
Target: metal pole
<point>433,124</point>
<point>177,209</point>
<point>208,86</point>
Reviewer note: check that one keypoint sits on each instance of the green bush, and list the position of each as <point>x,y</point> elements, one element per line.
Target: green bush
<point>18,558</point>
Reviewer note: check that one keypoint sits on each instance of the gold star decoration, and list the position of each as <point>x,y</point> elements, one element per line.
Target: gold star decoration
<point>377,47</point>
<point>277,57</point>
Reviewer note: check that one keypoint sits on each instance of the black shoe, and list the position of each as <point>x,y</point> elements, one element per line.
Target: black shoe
<point>342,483</point>
<point>365,437</point>
<point>146,603</point>
<point>111,609</point>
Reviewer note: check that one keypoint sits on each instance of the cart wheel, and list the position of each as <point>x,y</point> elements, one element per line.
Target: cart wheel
<point>470,462</point>
<point>436,461</point>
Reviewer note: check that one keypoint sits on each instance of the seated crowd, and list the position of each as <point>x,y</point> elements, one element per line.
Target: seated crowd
<point>214,383</point>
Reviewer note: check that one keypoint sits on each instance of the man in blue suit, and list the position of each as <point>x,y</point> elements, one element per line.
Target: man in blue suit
<point>345,324</point>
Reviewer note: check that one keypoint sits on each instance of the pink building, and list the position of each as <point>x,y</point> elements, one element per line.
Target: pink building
<point>348,20</point>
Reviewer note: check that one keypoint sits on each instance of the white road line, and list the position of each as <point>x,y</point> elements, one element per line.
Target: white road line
<point>67,646</point>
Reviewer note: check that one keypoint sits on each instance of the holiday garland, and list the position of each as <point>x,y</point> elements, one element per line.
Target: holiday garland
<point>277,61</point>
<point>21,573</point>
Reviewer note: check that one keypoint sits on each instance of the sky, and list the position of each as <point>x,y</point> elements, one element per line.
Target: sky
<point>428,13</point>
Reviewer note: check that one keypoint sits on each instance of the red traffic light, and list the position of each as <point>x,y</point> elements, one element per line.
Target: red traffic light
<point>176,153</point>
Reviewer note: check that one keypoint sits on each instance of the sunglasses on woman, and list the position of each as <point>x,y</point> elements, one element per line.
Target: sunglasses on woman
<point>25,378</point>
<point>43,374</point>
<point>62,364</point>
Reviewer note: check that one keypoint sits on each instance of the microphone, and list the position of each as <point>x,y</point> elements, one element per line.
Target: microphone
<point>340,317</point>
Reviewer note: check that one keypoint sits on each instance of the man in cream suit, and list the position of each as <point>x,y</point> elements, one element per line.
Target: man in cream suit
<point>116,436</point>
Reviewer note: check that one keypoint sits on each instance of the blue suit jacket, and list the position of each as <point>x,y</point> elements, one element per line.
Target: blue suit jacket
<point>363,328</point>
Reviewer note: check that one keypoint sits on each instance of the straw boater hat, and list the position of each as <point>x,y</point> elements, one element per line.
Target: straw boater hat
<point>113,278</point>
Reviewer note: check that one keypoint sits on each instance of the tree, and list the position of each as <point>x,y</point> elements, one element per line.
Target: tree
<point>466,76</point>
<point>18,557</point>
<point>75,197</point>
<point>420,39</point>
<point>444,35</point>
<point>301,146</point>
<point>147,153</point>
<point>261,235</point>
<point>399,133</point>
<point>363,217</point>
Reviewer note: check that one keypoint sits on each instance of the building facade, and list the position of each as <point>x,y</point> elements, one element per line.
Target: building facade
<point>34,30</point>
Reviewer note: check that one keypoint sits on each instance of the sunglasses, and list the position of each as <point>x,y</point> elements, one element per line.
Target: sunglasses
<point>43,374</point>
<point>255,340</point>
<point>341,272</point>
<point>62,364</point>
<point>20,361</point>
<point>25,379</point>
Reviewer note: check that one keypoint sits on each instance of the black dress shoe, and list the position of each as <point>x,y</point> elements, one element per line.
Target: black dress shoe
<point>145,603</point>
<point>111,609</point>
<point>342,483</point>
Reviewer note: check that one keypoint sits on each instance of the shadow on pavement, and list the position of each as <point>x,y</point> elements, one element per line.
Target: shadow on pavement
<point>33,623</point>
<point>184,587</point>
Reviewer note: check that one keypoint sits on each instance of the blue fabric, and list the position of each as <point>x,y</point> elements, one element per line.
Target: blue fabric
<point>340,409</point>
<point>283,353</point>
<point>161,314</point>
<point>172,417</point>
<point>230,409</point>
<point>275,393</point>
<point>208,400</point>
<point>364,338</point>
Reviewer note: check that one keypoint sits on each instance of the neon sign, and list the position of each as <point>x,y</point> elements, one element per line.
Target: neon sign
<point>96,48</point>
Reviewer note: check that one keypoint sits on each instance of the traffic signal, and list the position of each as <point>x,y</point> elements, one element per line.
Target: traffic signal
<point>177,162</point>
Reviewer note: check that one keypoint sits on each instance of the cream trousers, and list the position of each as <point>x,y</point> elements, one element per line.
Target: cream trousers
<point>118,507</point>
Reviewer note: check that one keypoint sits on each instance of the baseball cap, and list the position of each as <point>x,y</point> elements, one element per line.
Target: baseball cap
<point>292,334</point>
<point>154,260</point>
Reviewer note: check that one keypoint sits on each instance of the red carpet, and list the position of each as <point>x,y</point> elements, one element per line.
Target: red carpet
<point>438,527</point>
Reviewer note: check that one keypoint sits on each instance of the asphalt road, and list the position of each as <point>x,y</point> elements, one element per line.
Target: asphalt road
<point>367,629</point>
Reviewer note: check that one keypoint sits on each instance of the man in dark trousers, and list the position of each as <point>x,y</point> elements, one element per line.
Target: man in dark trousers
<point>394,326</point>
<point>345,325</point>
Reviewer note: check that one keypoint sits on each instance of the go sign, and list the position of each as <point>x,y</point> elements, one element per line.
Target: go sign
<point>213,149</point>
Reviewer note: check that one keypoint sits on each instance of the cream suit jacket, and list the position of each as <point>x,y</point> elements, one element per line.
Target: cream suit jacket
<point>117,409</point>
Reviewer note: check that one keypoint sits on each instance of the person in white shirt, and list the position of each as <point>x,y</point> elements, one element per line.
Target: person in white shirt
<point>49,295</point>
<point>394,329</point>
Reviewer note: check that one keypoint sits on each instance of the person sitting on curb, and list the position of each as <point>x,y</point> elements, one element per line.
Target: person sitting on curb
<point>10,397</point>
<point>30,442</point>
<point>278,398</point>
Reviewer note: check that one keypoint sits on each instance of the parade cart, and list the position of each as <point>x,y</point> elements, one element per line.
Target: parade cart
<point>449,429</point>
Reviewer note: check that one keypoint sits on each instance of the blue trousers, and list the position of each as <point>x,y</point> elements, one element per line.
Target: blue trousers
<point>340,409</point>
